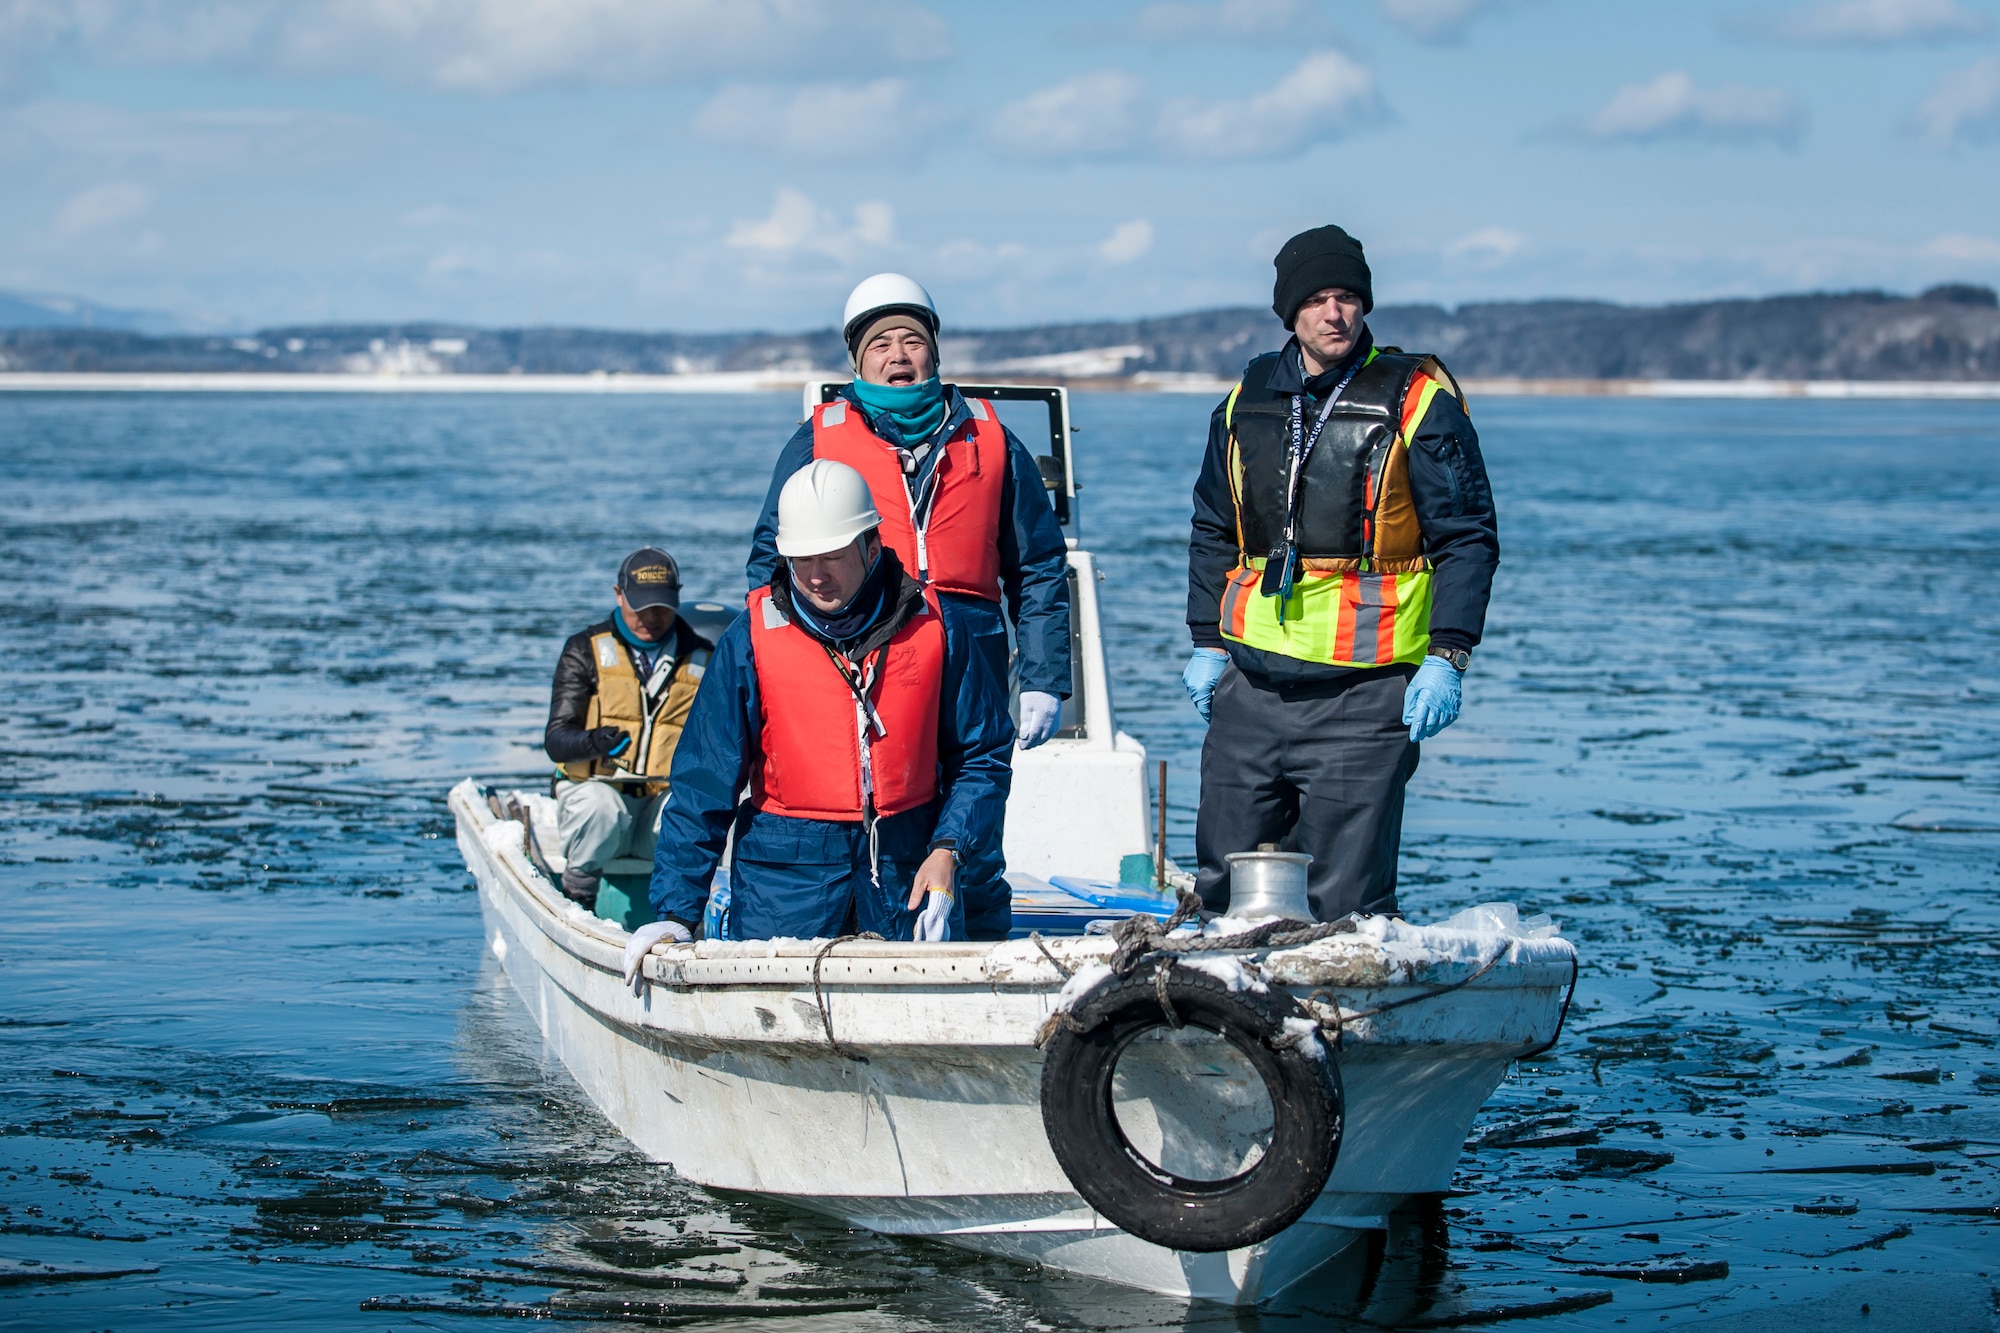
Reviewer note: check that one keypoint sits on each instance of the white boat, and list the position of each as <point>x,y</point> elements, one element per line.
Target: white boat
<point>899,1086</point>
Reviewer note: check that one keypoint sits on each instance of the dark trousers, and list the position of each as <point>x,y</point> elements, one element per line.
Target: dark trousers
<point>1316,769</point>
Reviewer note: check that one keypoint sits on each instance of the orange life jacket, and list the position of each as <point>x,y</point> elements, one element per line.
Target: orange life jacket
<point>826,754</point>
<point>957,547</point>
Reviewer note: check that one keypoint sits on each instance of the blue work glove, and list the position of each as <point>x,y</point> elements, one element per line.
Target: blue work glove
<point>1039,714</point>
<point>1430,704</point>
<point>1200,675</point>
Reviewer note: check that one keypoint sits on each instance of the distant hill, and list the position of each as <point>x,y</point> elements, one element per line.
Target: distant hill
<point>29,310</point>
<point>1947,333</point>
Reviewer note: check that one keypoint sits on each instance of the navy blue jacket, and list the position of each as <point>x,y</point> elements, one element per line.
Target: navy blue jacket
<point>1454,504</point>
<point>808,878</point>
<point>1034,565</point>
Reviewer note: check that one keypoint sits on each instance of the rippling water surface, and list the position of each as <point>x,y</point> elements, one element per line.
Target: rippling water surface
<point>1736,724</point>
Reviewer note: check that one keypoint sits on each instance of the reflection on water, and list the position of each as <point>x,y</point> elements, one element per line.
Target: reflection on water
<point>1735,724</point>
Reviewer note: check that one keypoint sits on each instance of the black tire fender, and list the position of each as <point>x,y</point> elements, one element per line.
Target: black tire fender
<point>1299,1075</point>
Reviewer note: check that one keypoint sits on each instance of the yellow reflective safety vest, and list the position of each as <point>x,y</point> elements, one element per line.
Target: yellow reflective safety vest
<point>652,712</point>
<point>1362,597</point>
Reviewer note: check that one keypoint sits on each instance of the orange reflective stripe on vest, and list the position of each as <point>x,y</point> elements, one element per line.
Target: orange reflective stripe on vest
<point>1364,611</point>
<point>1361,605</point>
<point>958,548</point>
<point>823,756</point>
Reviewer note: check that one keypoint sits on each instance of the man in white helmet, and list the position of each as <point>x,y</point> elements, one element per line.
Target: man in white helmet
<point>851,704</point>
<point>962,503</point>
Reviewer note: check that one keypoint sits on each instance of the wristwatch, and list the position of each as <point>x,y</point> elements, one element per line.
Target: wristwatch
<point>1458,657</point>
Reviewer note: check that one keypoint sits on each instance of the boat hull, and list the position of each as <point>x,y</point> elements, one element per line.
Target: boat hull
<point>926,1119</point>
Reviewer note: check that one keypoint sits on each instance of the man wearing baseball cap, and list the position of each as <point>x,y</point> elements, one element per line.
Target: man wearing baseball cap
<point>850,736</point>
<point>622,693</point>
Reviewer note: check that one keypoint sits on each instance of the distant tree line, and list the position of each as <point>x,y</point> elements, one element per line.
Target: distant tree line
<point>1947,333</point>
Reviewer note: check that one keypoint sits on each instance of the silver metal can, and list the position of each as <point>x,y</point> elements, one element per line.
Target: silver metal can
<point>1269,883</point>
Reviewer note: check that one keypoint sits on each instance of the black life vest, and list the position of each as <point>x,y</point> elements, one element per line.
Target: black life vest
<point>1357,452</point>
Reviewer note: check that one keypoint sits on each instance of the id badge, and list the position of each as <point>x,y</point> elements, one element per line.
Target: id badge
<point>1279,570</point>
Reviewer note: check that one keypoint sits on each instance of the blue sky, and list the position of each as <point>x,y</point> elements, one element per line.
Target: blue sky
<point>724,164</point>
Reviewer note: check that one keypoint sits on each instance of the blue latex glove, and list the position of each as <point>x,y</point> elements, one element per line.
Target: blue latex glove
<point>1430,704</point>
<point>1039,714</point>
<point>1200,675</point>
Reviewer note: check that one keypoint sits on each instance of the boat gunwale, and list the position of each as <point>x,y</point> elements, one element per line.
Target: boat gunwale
<point>846,964</point>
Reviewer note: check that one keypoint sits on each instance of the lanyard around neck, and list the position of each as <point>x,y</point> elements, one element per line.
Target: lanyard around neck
<point>1302,443</point>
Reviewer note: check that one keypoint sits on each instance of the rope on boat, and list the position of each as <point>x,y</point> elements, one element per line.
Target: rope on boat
<point>819,994</point>
<point>1141,937</point>
<point>1323,999</point>
<point>1568,995</point>
<point>1035,938</point>
<point>1163,972</point>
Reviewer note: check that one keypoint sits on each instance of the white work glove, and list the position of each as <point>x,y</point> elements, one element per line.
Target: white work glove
<point>642,942</point>
<point>934,922</point>
<point>1039,714</point>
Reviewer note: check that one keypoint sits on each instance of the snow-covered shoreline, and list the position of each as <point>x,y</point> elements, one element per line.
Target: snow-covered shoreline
<point>790,382</point>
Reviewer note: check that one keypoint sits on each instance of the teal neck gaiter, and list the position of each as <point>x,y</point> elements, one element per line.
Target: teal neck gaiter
<point>916,409</point>
<point>632,640</point>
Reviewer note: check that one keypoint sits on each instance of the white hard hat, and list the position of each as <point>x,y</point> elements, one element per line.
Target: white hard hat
<point>824,506</point>
<point>882,293</point>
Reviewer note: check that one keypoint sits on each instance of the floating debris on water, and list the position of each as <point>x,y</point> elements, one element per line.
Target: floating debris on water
<point>25,1272</point>
<point>1702,1272</point>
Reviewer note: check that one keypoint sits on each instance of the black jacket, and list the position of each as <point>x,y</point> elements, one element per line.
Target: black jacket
<point>567,739</point>
<point>1454,509</point>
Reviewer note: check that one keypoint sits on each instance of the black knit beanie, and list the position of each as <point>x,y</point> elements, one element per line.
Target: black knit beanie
<point>1314,260</point>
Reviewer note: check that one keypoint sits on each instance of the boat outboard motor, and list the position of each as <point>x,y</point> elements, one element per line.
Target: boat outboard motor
<point>1268,1028</point>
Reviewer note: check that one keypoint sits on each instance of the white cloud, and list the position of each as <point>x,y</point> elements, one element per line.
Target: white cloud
<point>1487,247</point>
<point>1872,22</point>
<point>1964,107</point>
<point>1228,20</point>
<point>1325,97</point>
<point>1673,107</point>
<point>1961,247</point>
<point>435,215</point>
<point>482,46</point>
<point>1127,241</point>
<point>1434,20</point>
<point>99,207</point>
<point>1110,113</point>
<point>879,119</point>
<point>798,226</point>
<point>1102,114</point>
<point>184,142</point>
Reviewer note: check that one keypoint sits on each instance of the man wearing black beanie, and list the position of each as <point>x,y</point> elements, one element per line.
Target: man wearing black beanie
<point>1342,555</point>
<point>1316,261</point>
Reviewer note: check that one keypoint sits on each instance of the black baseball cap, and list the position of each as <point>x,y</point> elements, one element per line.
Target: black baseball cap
<point>649,577</point>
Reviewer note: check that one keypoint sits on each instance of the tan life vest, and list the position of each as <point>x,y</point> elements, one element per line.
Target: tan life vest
<point>621,701</point>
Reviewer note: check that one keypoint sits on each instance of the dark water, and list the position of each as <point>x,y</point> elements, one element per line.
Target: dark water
<point>1737,723</point>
